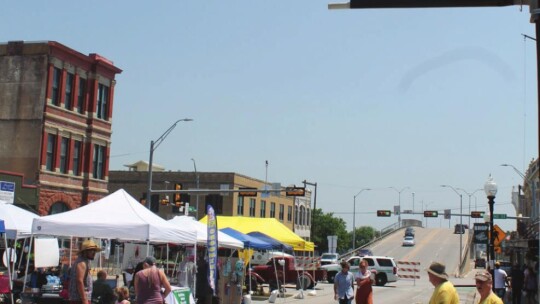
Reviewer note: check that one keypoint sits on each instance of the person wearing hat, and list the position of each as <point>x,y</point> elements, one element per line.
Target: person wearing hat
<point>80,284</point>
<point>148,283</point>
<point>500,278</point>
<point>484,283</point>
<point>445,292</point>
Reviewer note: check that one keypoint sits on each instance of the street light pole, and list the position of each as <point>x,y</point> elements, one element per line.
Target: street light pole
<point>354,217</point>
<point>469,195</point>
<point>461,224</point>
<point>153,146</point>
<point>313,209</point>
<point>399,202</point>
<point>197,185</point>
<point>532,187</point>
<point>490,187</point>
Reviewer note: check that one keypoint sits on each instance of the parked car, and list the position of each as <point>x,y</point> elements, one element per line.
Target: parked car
<point>408,241</point>
<point>383,268</point>
<point>329,258</point>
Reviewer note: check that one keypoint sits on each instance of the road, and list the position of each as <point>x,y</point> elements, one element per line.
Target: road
<point>432,244</point>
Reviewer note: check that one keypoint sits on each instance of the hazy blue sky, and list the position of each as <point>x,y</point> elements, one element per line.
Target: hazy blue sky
<point>346,98</point>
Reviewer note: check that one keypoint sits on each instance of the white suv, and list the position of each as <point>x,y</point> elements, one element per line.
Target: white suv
<point>385,268</point>
<point>329,258</point>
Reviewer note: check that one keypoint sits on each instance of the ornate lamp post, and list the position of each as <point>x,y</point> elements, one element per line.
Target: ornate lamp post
<point>354,218</point>
<point>490,187</point>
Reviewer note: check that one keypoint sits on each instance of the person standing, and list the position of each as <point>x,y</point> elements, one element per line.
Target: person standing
<point>344,285</point>
<point>364,291</point>
<point>148,283</point>
<point>530,285</point>
<point>484,284</point>
<point>80,283</point>
<point>444,292</point>
<point>500,277</point>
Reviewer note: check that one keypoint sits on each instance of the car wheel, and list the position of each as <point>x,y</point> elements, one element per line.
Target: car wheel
<point>381,279</point>
<point>330,277</point>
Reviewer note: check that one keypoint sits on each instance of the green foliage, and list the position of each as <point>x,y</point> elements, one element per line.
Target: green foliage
<point>325,224</point>
<point>364,235</point>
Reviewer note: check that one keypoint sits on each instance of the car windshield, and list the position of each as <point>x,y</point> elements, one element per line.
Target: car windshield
<point>409,238</point>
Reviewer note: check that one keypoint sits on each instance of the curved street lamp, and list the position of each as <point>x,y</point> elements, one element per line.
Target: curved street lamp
<point>354,218</point>
<point>399,202</point>
<point>490,187</point>
<point>461,224</point>
<point>153,146</point>
<point>470,195</point>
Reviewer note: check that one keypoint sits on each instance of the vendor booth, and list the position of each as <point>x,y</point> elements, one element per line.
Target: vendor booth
<point>269,226</point>
<point>190,223</point>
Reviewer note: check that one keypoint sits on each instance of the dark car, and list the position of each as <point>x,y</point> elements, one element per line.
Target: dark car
<point>480,263</point>
<point>409,231</point>
<point>459,229</point>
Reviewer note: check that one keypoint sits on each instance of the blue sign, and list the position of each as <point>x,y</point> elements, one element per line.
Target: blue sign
<point>7,186</point>
<point>7,192</point>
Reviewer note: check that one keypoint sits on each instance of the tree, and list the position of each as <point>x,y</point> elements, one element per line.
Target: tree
<point>364,235</point>
<point>325,224</point>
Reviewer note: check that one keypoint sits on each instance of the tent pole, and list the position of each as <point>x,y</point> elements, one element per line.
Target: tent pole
<point>8,260</point>
<point>28,260</point>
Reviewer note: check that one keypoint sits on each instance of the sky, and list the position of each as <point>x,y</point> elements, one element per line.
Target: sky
<point>347,99</point>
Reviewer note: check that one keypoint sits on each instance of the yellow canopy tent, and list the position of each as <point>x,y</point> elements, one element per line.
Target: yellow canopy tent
<point>269,226</point>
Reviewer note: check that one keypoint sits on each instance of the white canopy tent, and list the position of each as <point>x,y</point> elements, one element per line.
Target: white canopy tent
<point>189,222</point>
<point>17,221</point>
<point>116,216</point>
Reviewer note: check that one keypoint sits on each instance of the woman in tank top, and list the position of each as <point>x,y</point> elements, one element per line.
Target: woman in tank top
<point>148,283</point>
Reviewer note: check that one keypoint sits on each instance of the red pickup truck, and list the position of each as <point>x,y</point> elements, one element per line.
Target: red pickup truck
<point>284,270</point>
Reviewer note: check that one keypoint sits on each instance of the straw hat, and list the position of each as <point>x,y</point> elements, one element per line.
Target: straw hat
<point>90,245</point>
<point>438,270</point>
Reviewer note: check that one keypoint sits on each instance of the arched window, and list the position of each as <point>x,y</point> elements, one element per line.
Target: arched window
<point>308,216</point>
<point>296,215</point>
<point>302,215</point>
<point>58,207</point>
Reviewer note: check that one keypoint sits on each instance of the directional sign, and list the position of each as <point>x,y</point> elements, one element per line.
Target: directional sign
<point>499,235</point>
<point>500,216</point>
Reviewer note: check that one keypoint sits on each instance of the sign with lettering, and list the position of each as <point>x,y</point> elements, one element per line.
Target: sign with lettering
<point>481,233</point>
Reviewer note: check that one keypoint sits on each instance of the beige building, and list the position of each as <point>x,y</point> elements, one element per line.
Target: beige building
<point>275,204</point>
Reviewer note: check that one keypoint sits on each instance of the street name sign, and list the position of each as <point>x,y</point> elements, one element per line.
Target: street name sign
<point>500,216</point>
<point>7,192</point>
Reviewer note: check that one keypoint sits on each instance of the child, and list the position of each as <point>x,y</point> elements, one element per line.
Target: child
<point>122,295</point>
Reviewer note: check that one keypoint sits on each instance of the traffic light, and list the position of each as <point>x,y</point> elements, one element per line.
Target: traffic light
<point>247,192</point>
<point>384,213</point>
<point>177,198</point>
<point>477,214</point>
<point>431,213</point>
<point>295,191</point>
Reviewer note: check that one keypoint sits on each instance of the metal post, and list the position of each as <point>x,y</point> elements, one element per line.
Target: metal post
<point>461,231</point>
<point>491,253</point>
<point>354,217</point>
<point>149,189</point>
<point>313,209</point>
<point>197,185</point>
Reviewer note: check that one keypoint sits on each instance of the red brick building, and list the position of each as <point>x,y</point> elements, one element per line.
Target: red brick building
<point>56,108</point>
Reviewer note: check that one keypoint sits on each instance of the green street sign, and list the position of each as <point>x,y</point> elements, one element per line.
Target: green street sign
<point>500,216</point>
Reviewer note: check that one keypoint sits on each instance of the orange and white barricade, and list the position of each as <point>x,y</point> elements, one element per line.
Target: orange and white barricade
<point>410,270</point>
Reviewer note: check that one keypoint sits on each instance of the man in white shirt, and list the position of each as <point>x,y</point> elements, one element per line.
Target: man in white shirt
<point>500,276</point>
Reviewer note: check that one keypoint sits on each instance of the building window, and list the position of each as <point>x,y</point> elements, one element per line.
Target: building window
<point>281,212</point>
<point>308,217</point>
<point>263,209</point>
<point>272,209</point>
<point>81,94</point>
<point>55,96</point>
<point>51,147</point>
<point>69,91</point>
<point>99,157</point>
<point>240,206</point>
<point>289,213</point>
<point>58,207</point>
<point>302,215</point>
<point>76,157</point>
<point>216,201</point>
<point>64,144</point>
<point>296,215</point>
<point>102,101</point>
<point>252,205</point>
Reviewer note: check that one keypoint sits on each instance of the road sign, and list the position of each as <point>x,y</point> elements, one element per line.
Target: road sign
<point>247,192</point>
<point>499,235</point>
<point>397,210</point>
<point>481,233</point>
<point>500,216</point>
<point>7,192</point>
<point>447,214</point>
<point>295,191</point>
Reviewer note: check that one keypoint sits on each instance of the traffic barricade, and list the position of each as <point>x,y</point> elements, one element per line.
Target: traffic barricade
<point>410,271</point>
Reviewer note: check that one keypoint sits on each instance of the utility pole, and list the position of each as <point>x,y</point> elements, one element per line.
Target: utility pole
<point>313,209</point>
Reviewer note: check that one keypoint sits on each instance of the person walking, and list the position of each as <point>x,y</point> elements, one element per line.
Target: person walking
<point>530,285</point>
<point>80,283</point>
<point>500,276</point>
<point>344,285</point>
<point>484,284</point>
<point>148,283</point>
<point>444,292</point>
<point>364,291</point>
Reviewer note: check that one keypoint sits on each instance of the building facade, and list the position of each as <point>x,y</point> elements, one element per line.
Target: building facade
<point>272,205</point>
<point>56,108</point>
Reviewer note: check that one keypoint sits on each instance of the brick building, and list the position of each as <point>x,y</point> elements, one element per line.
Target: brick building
<point>279,206</point>
<point>56,108</point>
